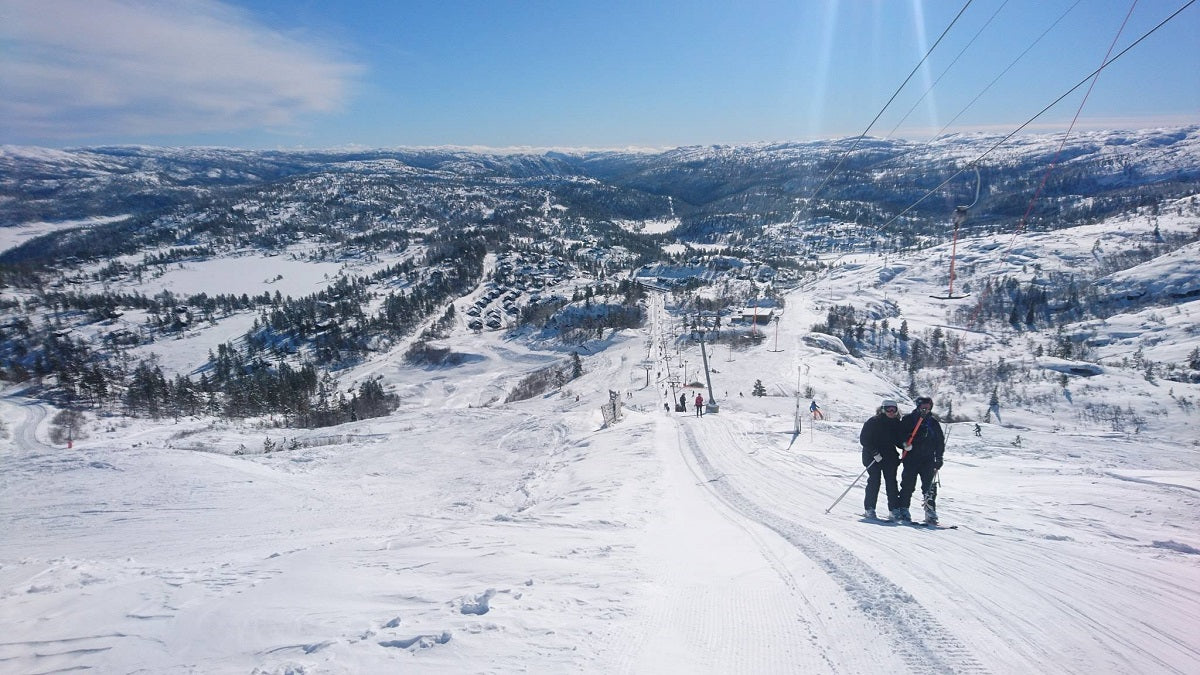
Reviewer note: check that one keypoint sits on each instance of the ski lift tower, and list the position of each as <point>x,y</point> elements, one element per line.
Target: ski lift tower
<point>704,324</point>
<point>649,366</point>
<point>776,349</point>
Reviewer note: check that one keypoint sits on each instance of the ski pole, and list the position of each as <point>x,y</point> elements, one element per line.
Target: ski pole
<point>850,488</point>
<point>909,442</point>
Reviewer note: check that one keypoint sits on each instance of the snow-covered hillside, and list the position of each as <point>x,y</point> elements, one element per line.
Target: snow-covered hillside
<point>465,534</point>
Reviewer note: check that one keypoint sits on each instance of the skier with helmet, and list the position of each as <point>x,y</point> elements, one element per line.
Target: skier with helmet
<point>922,457</point>
<point>881,438</point>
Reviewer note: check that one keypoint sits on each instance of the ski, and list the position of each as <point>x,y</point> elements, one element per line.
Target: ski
<point>877,521</point>
<point>914,523</point>
<point>934,526</point>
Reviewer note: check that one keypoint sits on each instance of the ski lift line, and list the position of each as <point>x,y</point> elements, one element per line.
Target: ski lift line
<point>1074,121</point>
<point>859,138</point>
<point>947,68</point>
<point>982,91</point>
<point>1041,112</point>
<point>1057,155</point>
<point>1094,76</point>
<point>1005,71</point>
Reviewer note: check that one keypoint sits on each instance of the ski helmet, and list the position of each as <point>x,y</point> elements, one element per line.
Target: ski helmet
<point>922,400</point>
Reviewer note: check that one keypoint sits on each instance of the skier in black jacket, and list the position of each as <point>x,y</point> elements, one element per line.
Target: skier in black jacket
<point>923,457</point>
<point>881,438</point>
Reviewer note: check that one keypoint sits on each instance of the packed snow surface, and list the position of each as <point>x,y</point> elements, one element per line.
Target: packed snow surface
<point>465,534</point>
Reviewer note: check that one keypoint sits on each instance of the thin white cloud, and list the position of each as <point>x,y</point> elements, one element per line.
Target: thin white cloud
<point>79,68</point>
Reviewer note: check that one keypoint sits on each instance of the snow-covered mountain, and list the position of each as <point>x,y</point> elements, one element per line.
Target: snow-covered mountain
<point>484,514</point>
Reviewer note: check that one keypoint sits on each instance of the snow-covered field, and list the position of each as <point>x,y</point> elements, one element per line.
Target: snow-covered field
<point>12,237</point>
<point>462,534</point>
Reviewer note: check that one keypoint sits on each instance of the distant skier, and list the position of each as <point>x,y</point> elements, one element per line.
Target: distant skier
<point>924,445</point>
<point>978,431</point>
<point>683,403</point>
<point>699,405</point>
<point>882,437</point>
<point>816,411</point>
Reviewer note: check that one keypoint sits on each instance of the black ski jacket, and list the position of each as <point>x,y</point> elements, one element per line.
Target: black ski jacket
<point>928,443</point>
<point>883,435</point>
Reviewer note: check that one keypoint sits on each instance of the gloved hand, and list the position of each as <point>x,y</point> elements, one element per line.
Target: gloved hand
<point>937,463</point>
<point>907,448</point>
<point>878,458</point>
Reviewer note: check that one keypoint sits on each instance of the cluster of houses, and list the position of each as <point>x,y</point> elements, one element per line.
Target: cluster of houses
<point>520,279</point>
<point>710,269</point>
<point>493,308</point>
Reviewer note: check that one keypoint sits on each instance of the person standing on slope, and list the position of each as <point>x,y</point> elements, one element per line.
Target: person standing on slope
<point>881,437</point>
<point>699,405</point>
<point>925,443</point>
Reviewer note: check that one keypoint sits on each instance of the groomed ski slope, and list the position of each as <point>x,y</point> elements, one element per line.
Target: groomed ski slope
<point>463,534</point>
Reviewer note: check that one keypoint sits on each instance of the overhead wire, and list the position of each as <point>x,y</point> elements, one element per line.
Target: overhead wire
<point>1095,77</point>
<point>1005,71</point>
<point>983,91</point>
<point>859,138</point>
<point>948,67</point>
<point>1054,162</point>
<point>1002,141</point>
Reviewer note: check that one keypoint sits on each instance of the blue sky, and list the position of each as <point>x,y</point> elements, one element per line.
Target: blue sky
<point>315,74</point>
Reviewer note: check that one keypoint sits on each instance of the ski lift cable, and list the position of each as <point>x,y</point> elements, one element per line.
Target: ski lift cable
<point>1054,162</point>
<point>1041,112</point>
<point>1005,71</point>
<point>1094,76</point>
<point>978,181</point>
<point>1073,121</point>
<point>983,91</point>
<point>859,138</point>
<point>947,69</point>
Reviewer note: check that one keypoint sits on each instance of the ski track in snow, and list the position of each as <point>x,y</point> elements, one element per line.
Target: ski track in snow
<point>515,545</point>
<point>725,611</point>
<point>913,632</point>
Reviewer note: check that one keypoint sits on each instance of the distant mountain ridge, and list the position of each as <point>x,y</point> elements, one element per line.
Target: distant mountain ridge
<point>281,269</point>
<point>713,189</point>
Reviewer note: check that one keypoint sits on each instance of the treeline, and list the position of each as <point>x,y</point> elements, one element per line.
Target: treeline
<point>303,396</point>
<point>254,377</point>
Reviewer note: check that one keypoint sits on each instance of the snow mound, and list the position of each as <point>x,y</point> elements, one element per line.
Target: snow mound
<point>1070,367</point>
<point>1176,546</point>
<point>827,342</point>
<point>1174,275</point>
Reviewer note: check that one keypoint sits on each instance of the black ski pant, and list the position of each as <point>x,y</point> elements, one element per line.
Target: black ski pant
<point>884,472</point>
<point>913,467</point>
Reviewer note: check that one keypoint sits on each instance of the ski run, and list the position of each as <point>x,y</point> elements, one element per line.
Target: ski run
<point>466,535</point>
